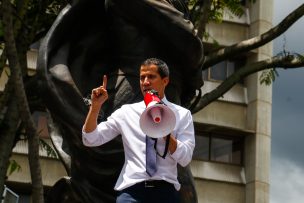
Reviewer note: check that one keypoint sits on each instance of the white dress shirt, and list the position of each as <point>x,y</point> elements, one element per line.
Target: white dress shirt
<point>125,121</point>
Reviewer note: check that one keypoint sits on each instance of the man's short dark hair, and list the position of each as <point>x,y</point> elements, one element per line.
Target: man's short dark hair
<point>163,68</point>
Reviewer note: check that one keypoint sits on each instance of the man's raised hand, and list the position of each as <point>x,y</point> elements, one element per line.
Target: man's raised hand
<point>100,95</point>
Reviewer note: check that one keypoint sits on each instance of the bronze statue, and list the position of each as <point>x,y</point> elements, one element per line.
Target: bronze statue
<point>92,38</point>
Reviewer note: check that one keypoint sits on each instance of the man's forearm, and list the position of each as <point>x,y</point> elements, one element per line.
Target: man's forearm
<point>91,120</point>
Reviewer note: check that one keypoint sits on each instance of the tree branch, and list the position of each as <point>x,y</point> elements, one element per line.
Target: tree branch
<point>24,111</point>
<point>204,18</point>
<point>9,126</point>
<point>254,42</point>
<point>2,60</point>
<point>286,62</point>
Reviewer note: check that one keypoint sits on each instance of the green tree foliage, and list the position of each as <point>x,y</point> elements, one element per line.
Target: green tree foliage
<point>268,76</point>
<point>217,8</point>
<point>49,150</point>
<point>13,167</point>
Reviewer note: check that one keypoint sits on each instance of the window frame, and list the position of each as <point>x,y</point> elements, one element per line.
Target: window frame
<point>237,62</point>
<point>211,135</point>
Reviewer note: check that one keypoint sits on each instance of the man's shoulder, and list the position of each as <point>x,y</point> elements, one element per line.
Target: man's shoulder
<point>127,109</point>
<point>135,105</point>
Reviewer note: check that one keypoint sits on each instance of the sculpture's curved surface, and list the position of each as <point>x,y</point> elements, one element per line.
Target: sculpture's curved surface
<point>91,38</point>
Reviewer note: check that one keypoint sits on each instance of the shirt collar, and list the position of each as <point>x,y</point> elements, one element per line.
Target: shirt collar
<point>164,99</point>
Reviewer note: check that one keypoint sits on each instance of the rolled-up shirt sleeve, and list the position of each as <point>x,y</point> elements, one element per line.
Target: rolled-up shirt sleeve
<point>185,141</point>
<point>104,132</point>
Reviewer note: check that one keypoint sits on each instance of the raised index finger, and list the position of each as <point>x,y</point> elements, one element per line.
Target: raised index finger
<point>104,82</point>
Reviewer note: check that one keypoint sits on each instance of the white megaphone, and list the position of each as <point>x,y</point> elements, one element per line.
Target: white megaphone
<point>158,120</point>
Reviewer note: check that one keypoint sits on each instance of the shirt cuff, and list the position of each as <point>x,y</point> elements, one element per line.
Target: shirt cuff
<point>89,138</point>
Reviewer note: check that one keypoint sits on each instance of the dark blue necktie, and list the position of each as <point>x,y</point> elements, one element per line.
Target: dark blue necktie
<point>150,156</point>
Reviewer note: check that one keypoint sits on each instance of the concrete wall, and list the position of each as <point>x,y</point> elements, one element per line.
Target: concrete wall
<point>220,192</point>
<point>51,168</point>
<point>257,154</point>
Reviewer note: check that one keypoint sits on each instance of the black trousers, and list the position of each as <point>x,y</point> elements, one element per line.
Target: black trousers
<point>149,192</point>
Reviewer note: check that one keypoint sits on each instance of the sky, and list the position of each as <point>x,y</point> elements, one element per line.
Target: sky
<point>287,151</point>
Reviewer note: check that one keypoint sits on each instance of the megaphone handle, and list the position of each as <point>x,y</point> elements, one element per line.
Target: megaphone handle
<point>166,147</point>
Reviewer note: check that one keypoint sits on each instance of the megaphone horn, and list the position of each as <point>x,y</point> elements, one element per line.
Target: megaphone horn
<point>158,120</point>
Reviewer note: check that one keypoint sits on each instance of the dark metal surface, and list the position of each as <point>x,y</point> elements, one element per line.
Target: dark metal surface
<point>91,38</point>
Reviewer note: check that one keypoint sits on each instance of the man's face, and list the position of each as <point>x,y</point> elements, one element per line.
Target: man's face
<point>150,79</point>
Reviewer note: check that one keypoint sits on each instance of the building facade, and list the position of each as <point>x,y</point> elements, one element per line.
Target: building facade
<point>231,163</point>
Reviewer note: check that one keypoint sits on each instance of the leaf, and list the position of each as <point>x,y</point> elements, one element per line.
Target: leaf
<point>49,150</point>
<point>13,166</point>
<point>299,56</point>
<point>268,76</point>
<point>234,7</point>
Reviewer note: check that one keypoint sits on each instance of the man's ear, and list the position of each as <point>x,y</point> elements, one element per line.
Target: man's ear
<point>166,81</point>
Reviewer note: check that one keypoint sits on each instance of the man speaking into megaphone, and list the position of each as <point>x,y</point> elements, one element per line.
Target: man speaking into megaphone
<point>156,134</point>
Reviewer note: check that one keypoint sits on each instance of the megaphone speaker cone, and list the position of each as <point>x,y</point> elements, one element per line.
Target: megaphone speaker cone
<point>156,114</point>
<point>159,129</point>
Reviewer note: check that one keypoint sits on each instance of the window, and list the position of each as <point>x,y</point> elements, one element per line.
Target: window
<point>219,148</point>
<point>9,196</point>
<point>201,150</point>
<point>222,70</point>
